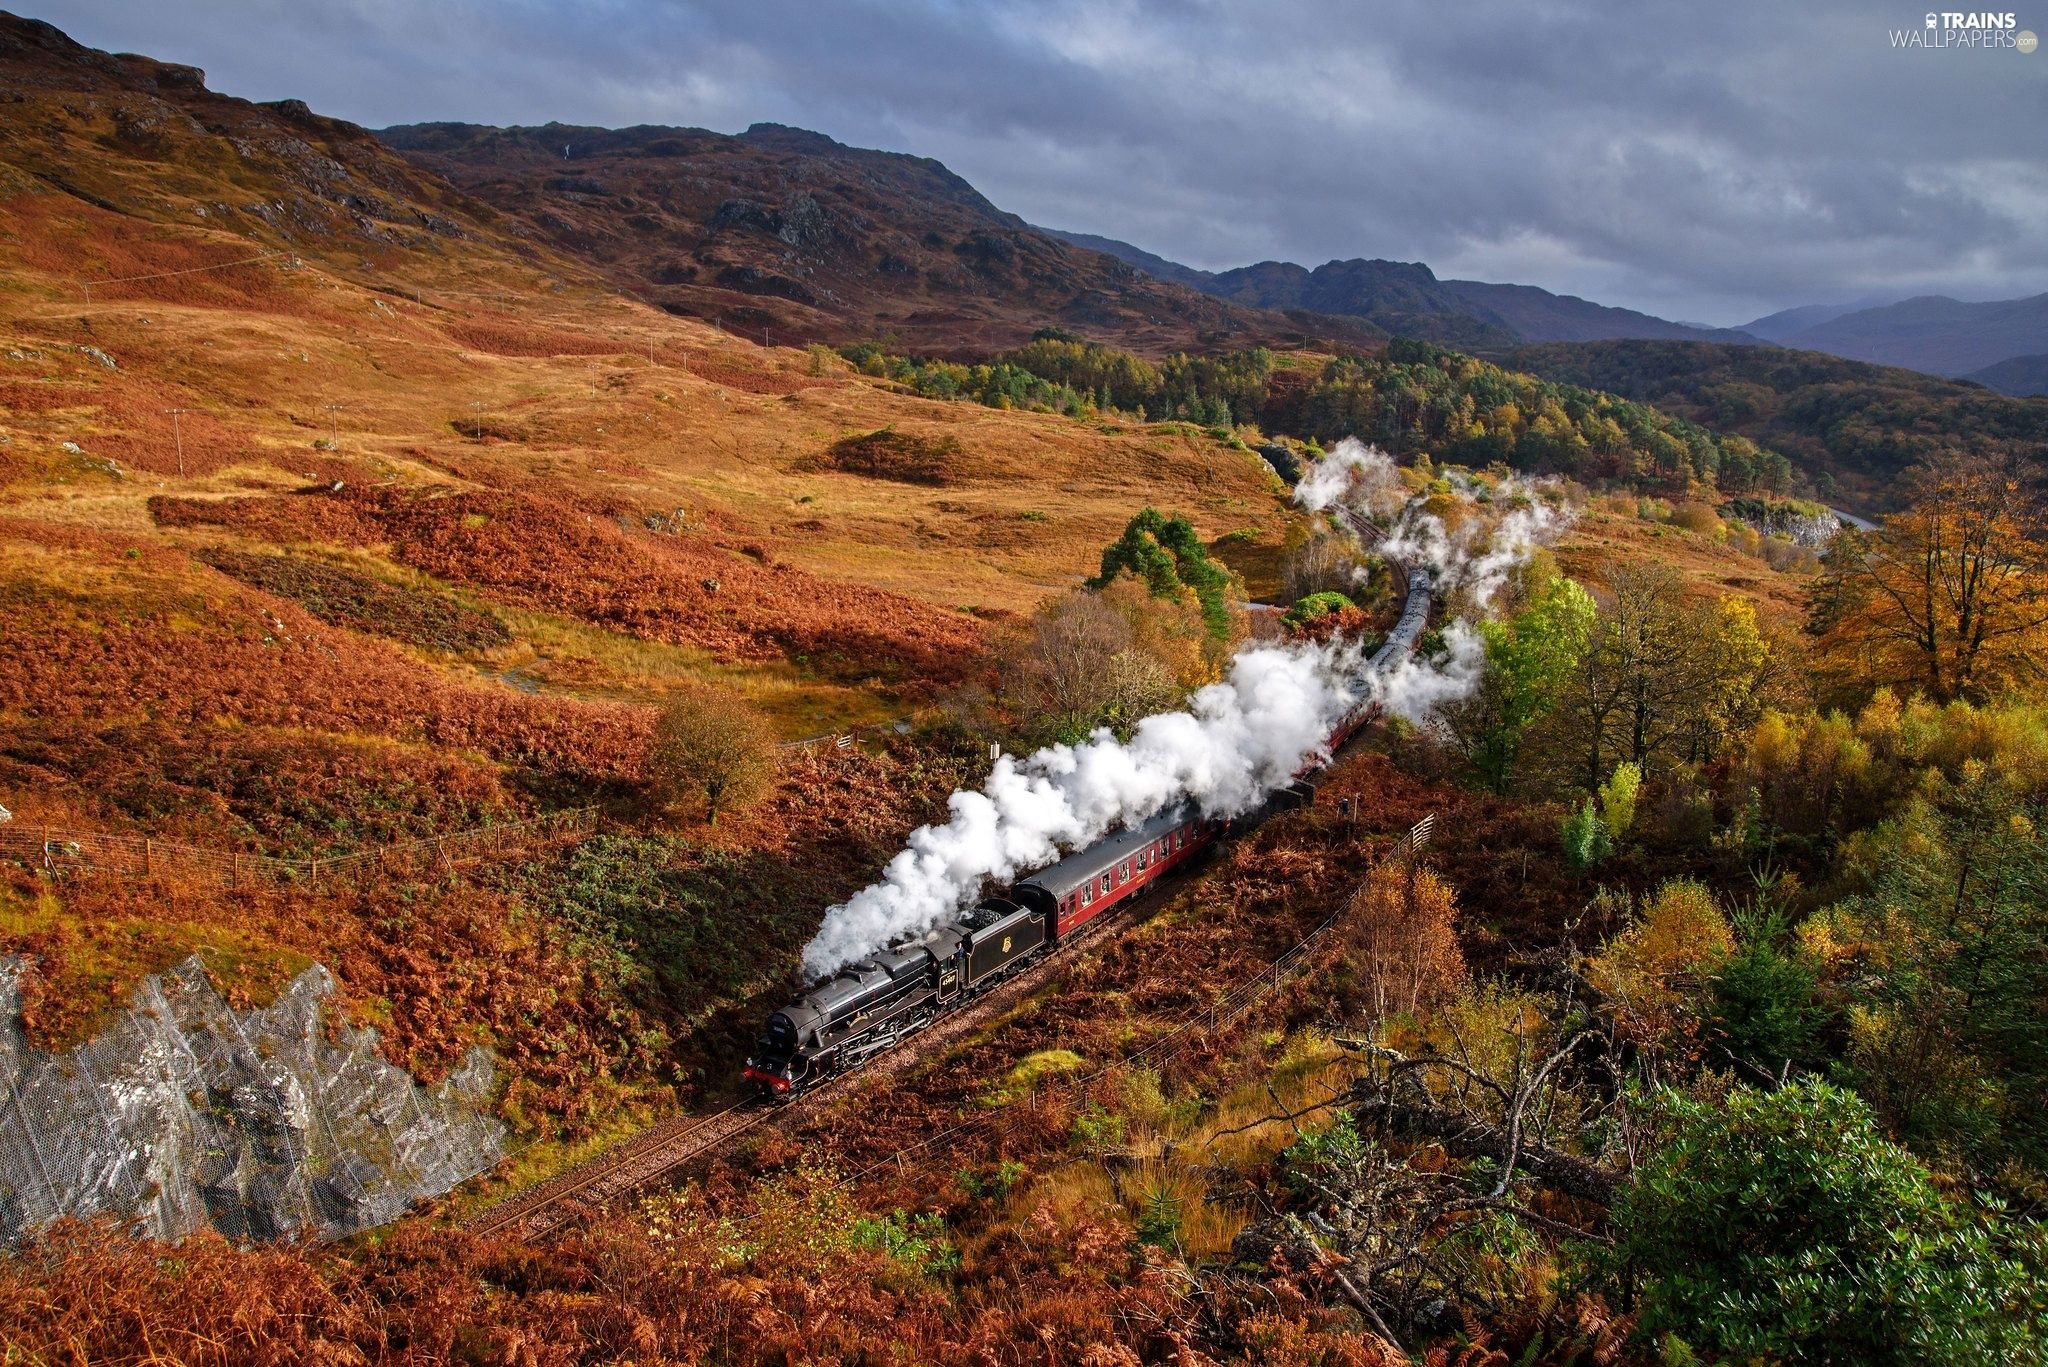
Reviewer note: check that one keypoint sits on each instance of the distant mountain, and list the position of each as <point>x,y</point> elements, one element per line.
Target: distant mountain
<point>1786,323</point>
<point>788,230</point>
<point>1404,298</point>
<point>1409,300</point>
<point>2021,376</point>
<point>1537,315</point>
<point>1932,333</point>
<point>1139,257</point>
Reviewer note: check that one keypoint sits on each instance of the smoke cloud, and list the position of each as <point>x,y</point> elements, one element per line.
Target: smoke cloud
<point>1237,741</point>
<point>1473,536</point>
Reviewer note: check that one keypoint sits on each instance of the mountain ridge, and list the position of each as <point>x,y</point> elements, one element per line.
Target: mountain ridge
<point>1409,299</point>
<point>791,231</point>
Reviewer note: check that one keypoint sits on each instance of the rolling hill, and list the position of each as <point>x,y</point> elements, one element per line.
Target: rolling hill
<point>1854,425</point>
<point>2019,376</point>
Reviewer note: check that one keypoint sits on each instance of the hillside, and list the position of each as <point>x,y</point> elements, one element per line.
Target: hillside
<point>1852,425</point>
<point>165,174</point>
<point>440,518</point>
<point>787,231</point>
<point>1537,315</point>
<point>2019,376</point>
<point>1406,299</point>
<point>1932,333</point>
<point>1779,327</point>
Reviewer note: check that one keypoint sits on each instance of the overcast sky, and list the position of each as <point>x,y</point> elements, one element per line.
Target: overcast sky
<point>1707,162</point>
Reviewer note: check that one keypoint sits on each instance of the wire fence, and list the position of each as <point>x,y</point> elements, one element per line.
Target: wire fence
<point>62,851</point>
<point>843,741</point>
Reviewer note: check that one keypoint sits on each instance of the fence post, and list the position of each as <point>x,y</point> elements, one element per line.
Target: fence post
<point>146,856</point>
<point>235,870</point>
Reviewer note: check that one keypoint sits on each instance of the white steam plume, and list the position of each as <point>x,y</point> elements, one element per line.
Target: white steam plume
<point>1237,742</point>
<point>1417,690</point>
<point>1499,523</point>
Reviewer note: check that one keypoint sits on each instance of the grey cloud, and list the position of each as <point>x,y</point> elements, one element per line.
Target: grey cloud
<point>1709,162</point>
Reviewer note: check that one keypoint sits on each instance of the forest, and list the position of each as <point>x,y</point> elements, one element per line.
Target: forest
<point>1854,427</point>
<point>1413,397</point>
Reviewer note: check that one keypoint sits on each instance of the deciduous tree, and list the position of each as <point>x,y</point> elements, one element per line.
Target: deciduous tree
<point>1950,596</point>
<point>709,746</point>
<point>1402,927</point>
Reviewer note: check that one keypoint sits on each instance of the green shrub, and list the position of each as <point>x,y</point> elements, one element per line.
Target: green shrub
<point>918,1242</point>
<point>1782,1227</point>
<point>1097,1128</point>
<point>1315,605</point>
<point>1585,837</point>
<point>996,1185</point>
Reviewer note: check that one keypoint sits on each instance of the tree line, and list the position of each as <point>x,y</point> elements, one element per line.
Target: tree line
<point>1413,398</point>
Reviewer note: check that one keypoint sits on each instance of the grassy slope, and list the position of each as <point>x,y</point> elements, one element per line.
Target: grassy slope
<point>535,479</point>
<point>469,628</point>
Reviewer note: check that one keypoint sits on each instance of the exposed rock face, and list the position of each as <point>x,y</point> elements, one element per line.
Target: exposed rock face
<point>188,1113</point>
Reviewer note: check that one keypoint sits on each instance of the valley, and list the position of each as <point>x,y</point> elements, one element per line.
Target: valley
<point>493,615</point>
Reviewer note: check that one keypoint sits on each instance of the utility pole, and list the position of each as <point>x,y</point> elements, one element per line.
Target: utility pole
<point>479,407</point>
<point>333,427</point>
<point>178,436</point>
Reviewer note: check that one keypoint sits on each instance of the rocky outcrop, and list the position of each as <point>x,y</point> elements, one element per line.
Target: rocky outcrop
<point>261,1124</point>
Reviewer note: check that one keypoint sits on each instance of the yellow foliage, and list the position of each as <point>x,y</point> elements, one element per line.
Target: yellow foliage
<point>1402,928</point>
<point>1682,929</point>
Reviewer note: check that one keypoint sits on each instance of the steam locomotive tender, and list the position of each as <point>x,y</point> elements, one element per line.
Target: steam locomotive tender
<point>870,1006</point>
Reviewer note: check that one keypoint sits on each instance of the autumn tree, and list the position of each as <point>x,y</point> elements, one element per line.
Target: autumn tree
<point>1642,972</point>
<point>1110,658</point>
<point>1529,658</point>
<point>1664,680</point>
<point>1328,562</point>
<point>710,747</point>
<point>1402,926</point>
<point>1167,556</point>
<point>1950,596</point>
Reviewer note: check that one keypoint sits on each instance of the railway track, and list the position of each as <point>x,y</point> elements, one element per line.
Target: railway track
<point>637,1163</point>
<point>663,1148</point>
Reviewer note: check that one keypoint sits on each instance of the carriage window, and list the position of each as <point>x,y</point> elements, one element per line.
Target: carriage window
<point>1087,894</point>
<point>1144,856</point>
<point>1107,884</point>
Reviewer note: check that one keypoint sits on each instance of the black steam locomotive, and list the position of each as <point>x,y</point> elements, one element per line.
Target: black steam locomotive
<point>869,1006</point>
